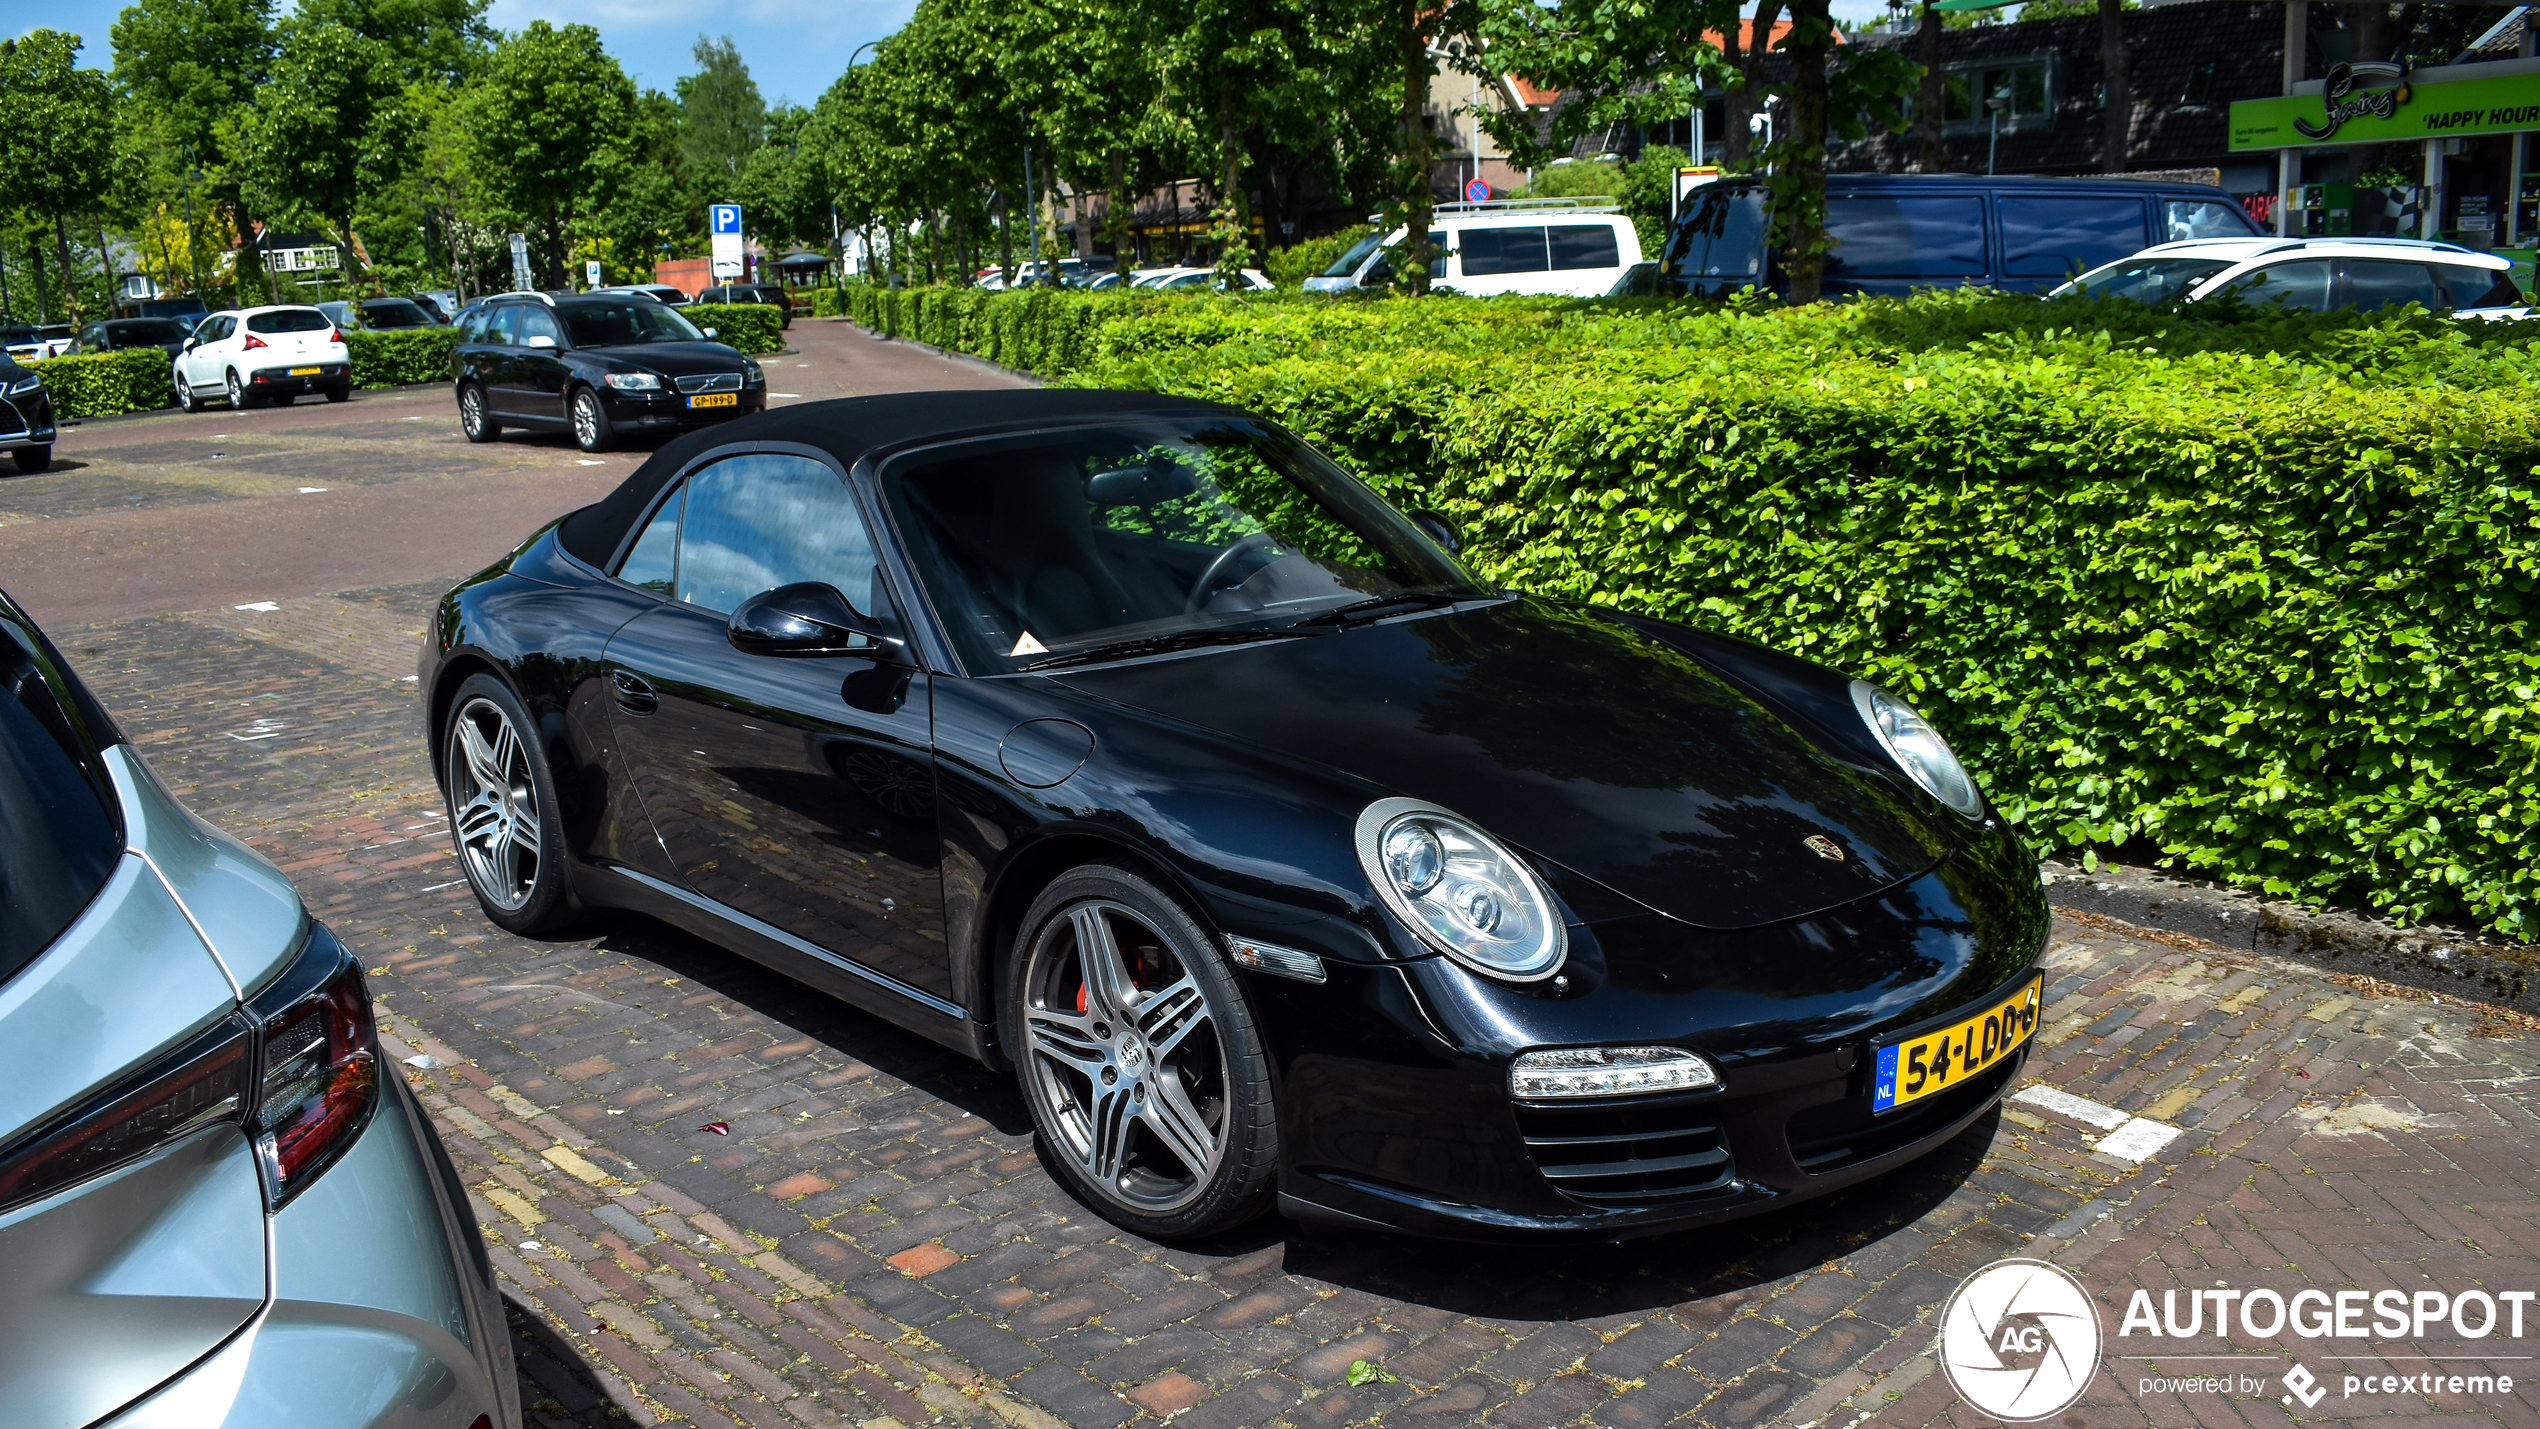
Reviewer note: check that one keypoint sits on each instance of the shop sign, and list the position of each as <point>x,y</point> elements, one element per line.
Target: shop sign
<point>2375,103</point>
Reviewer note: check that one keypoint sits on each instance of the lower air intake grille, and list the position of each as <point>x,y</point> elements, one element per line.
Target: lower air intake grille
<point>1620,1155</point>
<point>1839,1134</point>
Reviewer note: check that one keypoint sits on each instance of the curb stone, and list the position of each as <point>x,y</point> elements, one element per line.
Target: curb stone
<point>2435,960</point>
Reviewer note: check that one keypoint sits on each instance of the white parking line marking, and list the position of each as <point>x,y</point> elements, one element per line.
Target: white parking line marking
<point>2106,1118</point>
<point>259,605</point>
<point>453,883</point>
<point>311,490</point>
<point>2137,1140</point>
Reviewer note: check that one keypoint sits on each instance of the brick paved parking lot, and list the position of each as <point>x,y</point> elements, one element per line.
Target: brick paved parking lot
<point>718,1197</point>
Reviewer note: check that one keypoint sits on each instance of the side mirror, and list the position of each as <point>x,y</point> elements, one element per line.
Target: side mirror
<point>710,332</point>
<point>541,340</point>
<point>807,618</point>
<point>1437,528</point>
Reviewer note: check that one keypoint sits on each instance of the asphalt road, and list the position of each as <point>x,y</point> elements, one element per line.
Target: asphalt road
<point>717,1197</point>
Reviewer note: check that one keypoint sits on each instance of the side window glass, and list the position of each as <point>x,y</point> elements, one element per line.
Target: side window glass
<point>2375,284</point>
<point>2059,237</point>
<point>757,522</point>
<point>2183,219</point>
<point>653,561</point>
<point>472,326</point>
<point>2293,285</point>
<point>537,322</point>
<point>1489,252</point>
<point>1584,245</point>
<point>1876,236</point>
<point>505,328</point>
<point>2478,287</point>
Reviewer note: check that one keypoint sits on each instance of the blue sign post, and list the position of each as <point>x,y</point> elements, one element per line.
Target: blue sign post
<point>723,221</point>
<point>724,218</point>
<point>1477,190</point>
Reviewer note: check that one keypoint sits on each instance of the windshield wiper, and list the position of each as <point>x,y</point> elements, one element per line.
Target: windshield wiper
<point>1162,645</point>
<point>1401,602</point>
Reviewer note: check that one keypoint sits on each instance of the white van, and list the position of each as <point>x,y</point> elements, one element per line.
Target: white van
<point>1506,246</point>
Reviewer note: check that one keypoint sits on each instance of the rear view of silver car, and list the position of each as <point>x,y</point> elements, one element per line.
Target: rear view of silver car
<point>216,1207</point>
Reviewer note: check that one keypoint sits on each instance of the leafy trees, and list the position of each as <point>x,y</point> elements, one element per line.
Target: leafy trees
<point>328,128</point>
<point>547,129</point>
<point>57,143</point>
<point>722,118</point>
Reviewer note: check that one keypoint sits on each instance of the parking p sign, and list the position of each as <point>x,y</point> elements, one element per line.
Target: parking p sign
<point>723,220</point>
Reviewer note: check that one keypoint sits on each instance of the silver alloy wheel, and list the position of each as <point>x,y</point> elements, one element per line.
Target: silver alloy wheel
<point>586,419</point>
<point>184,392</point>
<point>237,394</point>
<point>493,804</point>
<point>471,412</point>
<point>1123,1055</point>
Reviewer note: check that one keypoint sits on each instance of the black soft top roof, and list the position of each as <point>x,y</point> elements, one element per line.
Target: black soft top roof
<point>847,428</point>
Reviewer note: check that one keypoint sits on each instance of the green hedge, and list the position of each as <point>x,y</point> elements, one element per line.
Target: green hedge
<point>2251,591</point>
<point>828,302</point>
<point>100,384</point>
<point>751,327</point>
<point>400,356</point>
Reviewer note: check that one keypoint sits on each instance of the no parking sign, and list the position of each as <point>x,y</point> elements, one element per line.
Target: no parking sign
<point>1477,190</point>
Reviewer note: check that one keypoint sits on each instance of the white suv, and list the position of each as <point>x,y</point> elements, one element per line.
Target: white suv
<point>2314,274</point>
<point>1503,246</point>
<point>255,355</point>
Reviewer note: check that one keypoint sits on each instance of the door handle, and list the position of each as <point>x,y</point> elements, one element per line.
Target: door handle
<point>633,695</point>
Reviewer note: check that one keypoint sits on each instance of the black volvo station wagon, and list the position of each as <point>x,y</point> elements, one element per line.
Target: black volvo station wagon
<point>1128,743</point>
<point>602,366</point>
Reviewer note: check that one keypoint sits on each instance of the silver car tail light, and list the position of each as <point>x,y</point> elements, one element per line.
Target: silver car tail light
<point>297,1070</point>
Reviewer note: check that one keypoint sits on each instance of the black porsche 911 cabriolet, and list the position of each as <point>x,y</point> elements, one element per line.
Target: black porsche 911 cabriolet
<point>1127,742</point>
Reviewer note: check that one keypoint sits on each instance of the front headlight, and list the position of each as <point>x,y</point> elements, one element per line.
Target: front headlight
<point>634,381</point>
<point>1917,748</point>
<point>25,385</point>
<point>752,374</point>
<point>1608,1072</point>
<point>1459,891</point>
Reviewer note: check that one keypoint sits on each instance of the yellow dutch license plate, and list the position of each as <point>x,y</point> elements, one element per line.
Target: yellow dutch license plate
<point>715,399</point>
<point>306,371</point>
<point>1936,1061</point>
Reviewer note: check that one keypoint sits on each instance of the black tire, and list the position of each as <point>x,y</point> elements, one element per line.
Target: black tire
<point>592,429</point>
<point>236,391</point>
<point>1080,1073</point>
<point>340,392</point>
<point>31,460</point>
<point>522,889</point>
<point>477,424</point>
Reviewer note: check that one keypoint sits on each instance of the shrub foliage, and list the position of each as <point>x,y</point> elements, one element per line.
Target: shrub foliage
<point>399,356</point>
<point>2253,591</point>
<point>100,384</point>
<point>751,327</point>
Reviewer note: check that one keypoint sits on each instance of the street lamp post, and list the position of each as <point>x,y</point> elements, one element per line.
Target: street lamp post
<point>1993,140</point>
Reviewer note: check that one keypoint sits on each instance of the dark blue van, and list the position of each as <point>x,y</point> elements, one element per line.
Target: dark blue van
<point>1893,233</point>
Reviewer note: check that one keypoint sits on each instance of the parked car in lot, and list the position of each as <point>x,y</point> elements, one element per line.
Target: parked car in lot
<point>1127,742</point>
<point>441,304</point>
<point>25,343</point>
<point>1502,246</point>
<point>767,293</point>
<point>188,311</point>
<point>391,314</point>
<point>119,334</point>
<point>2314,274</point>
<point>216,1207</point>
<point>662,293</point>
<point>1894,233</point>
<point>251,356</point>
<point>26,417</point>
<point>1164,279</point>
<point>599,365</point>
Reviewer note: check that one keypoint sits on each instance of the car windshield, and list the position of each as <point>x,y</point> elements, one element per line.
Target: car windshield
<point>59,839</point>
<point>1348,262</point>
<point>1149,536</point>
<point>141,332</point>
<point>625,324</point>
<point>2148,280</point>
<point>289,320</point>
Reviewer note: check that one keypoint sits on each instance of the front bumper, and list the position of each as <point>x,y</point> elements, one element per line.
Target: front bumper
<point>666,411</point>
<point>26,420</point>
<point>297,378</point>
<point>383,1309</point>
<point>1393,1077</point>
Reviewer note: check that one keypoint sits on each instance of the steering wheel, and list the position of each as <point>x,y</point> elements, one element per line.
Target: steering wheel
<point>1216,571</point>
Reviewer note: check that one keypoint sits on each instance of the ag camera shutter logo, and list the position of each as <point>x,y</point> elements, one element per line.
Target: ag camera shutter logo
<point>2019,1340</point>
